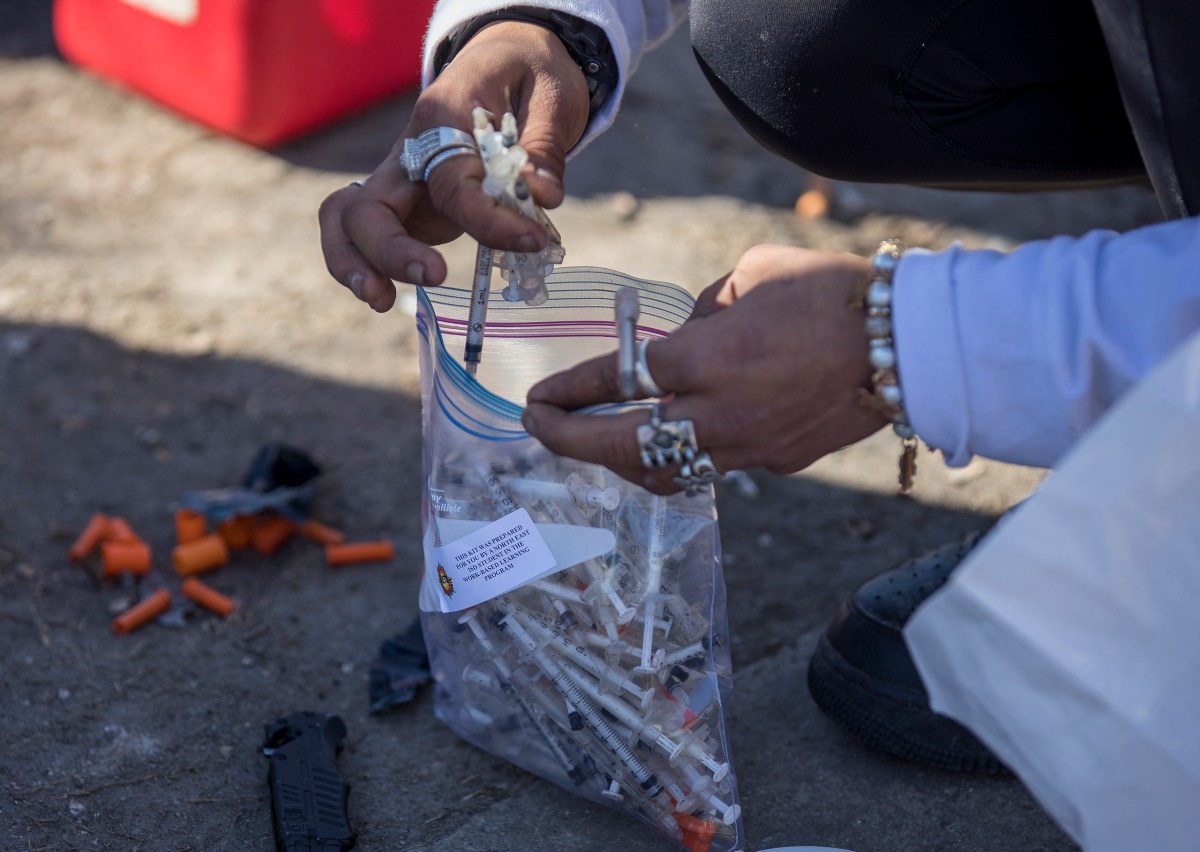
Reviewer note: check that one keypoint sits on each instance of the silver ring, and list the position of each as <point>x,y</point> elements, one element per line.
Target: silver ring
<point>438,159</point>
<point>662,443</point>
<point>419,153</point>
<point>697,474</point>
<point>646,385</point>
<point>362,182</point>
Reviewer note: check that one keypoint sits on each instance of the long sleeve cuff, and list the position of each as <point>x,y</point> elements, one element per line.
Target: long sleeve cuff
<point>1014,356</point>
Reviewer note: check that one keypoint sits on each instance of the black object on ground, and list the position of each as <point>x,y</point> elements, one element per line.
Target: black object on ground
<point>308,794</point>
<point>279,466</point>
<point>401,668</point>
<point>279,479</point>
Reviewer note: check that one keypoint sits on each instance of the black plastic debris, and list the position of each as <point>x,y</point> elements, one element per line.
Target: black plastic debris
<point>401,668</point>
<point>279,479</point>
<point>279,466</point>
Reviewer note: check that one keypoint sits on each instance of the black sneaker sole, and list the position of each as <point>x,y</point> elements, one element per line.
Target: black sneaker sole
<point>892,722</point>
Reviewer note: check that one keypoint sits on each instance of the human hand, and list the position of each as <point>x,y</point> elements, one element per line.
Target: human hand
<point>770,368</point>
<point>383,231</point>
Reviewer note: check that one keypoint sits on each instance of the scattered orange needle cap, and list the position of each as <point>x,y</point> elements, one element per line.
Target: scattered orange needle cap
<point>236,531</point>
<point>189,526</point>
<point>125,557</point>
<point>361,551</point>
<point>201,555</point>
<point>95,532</point>
<point>149,609</point>
<point>271,533</point>
<point>119,530</point>
<point>207,597</point>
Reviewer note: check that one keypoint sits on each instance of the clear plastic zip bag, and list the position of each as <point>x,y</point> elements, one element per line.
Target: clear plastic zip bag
<point>575,622</point>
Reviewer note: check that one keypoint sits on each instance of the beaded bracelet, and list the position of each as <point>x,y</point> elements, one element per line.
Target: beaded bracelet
<point>886,395</point>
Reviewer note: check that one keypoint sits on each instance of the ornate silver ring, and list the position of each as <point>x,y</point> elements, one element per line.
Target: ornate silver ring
<point>662,443</point>
<point>432,148</point>
<point>697,474</point>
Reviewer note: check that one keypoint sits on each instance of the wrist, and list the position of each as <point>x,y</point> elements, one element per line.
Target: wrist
<point>585,43</point>
<point>875,298</point>
<point>526,48</point>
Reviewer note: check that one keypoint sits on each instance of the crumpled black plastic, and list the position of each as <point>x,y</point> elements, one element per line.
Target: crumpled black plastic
<point>401,668</point>
<point>279,478</point>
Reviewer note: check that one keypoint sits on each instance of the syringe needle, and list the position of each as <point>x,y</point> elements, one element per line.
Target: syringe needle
<point>653,591</point>
<point>477,318</point>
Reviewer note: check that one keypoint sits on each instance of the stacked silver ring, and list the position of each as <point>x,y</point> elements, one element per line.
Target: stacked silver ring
<point>432,148</point>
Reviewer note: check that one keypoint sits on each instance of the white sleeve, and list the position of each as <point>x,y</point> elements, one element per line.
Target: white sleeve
<point>1013,356</point>
<point>632,27</point>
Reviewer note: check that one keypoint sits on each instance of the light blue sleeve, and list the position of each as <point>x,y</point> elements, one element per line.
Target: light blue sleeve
<point>1014,356</point>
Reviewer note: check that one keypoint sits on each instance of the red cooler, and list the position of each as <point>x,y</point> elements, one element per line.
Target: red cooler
<point>259,70</point>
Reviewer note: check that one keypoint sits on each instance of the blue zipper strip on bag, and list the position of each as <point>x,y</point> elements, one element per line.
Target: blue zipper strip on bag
<point>459,417</point>
<point>451,379</point>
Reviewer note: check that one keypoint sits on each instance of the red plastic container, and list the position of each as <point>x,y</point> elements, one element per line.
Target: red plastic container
<point>260,70</point>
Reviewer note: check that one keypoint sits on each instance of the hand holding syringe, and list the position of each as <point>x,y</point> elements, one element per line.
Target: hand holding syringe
<point>525,272</point>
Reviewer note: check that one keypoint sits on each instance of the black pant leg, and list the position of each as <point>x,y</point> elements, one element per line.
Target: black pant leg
<point>997,94</point>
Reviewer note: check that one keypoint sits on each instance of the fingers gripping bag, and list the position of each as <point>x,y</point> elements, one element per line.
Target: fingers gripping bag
<point>575,623</point>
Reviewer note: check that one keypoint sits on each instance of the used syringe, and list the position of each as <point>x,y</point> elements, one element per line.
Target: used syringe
<point>572,769</point>
<point>591,715</point>
<point>503,159</point>
<point>477,318</point>
<point>652,592</point>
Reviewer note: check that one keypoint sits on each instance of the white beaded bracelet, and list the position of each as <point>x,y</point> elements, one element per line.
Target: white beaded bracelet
<point>887,395</point>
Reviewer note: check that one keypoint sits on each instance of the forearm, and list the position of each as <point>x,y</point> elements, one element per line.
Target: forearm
<point>1014,356</point>
<point>632,27</point>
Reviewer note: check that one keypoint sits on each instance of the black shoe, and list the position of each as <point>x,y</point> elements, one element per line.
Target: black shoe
<point>862,676</point>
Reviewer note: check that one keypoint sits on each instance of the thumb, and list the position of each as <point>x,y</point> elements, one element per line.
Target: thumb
<point>711,299</point>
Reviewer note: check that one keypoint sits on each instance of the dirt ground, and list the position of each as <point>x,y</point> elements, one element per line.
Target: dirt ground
<point>164,311</point>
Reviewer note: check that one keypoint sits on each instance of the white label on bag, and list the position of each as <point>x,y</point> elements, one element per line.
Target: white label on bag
<point>182,12</point>
<point>488,562</point>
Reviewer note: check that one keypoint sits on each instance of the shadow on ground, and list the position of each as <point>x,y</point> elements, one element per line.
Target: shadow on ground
<point>150,741</point>
<point>119,218</point>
